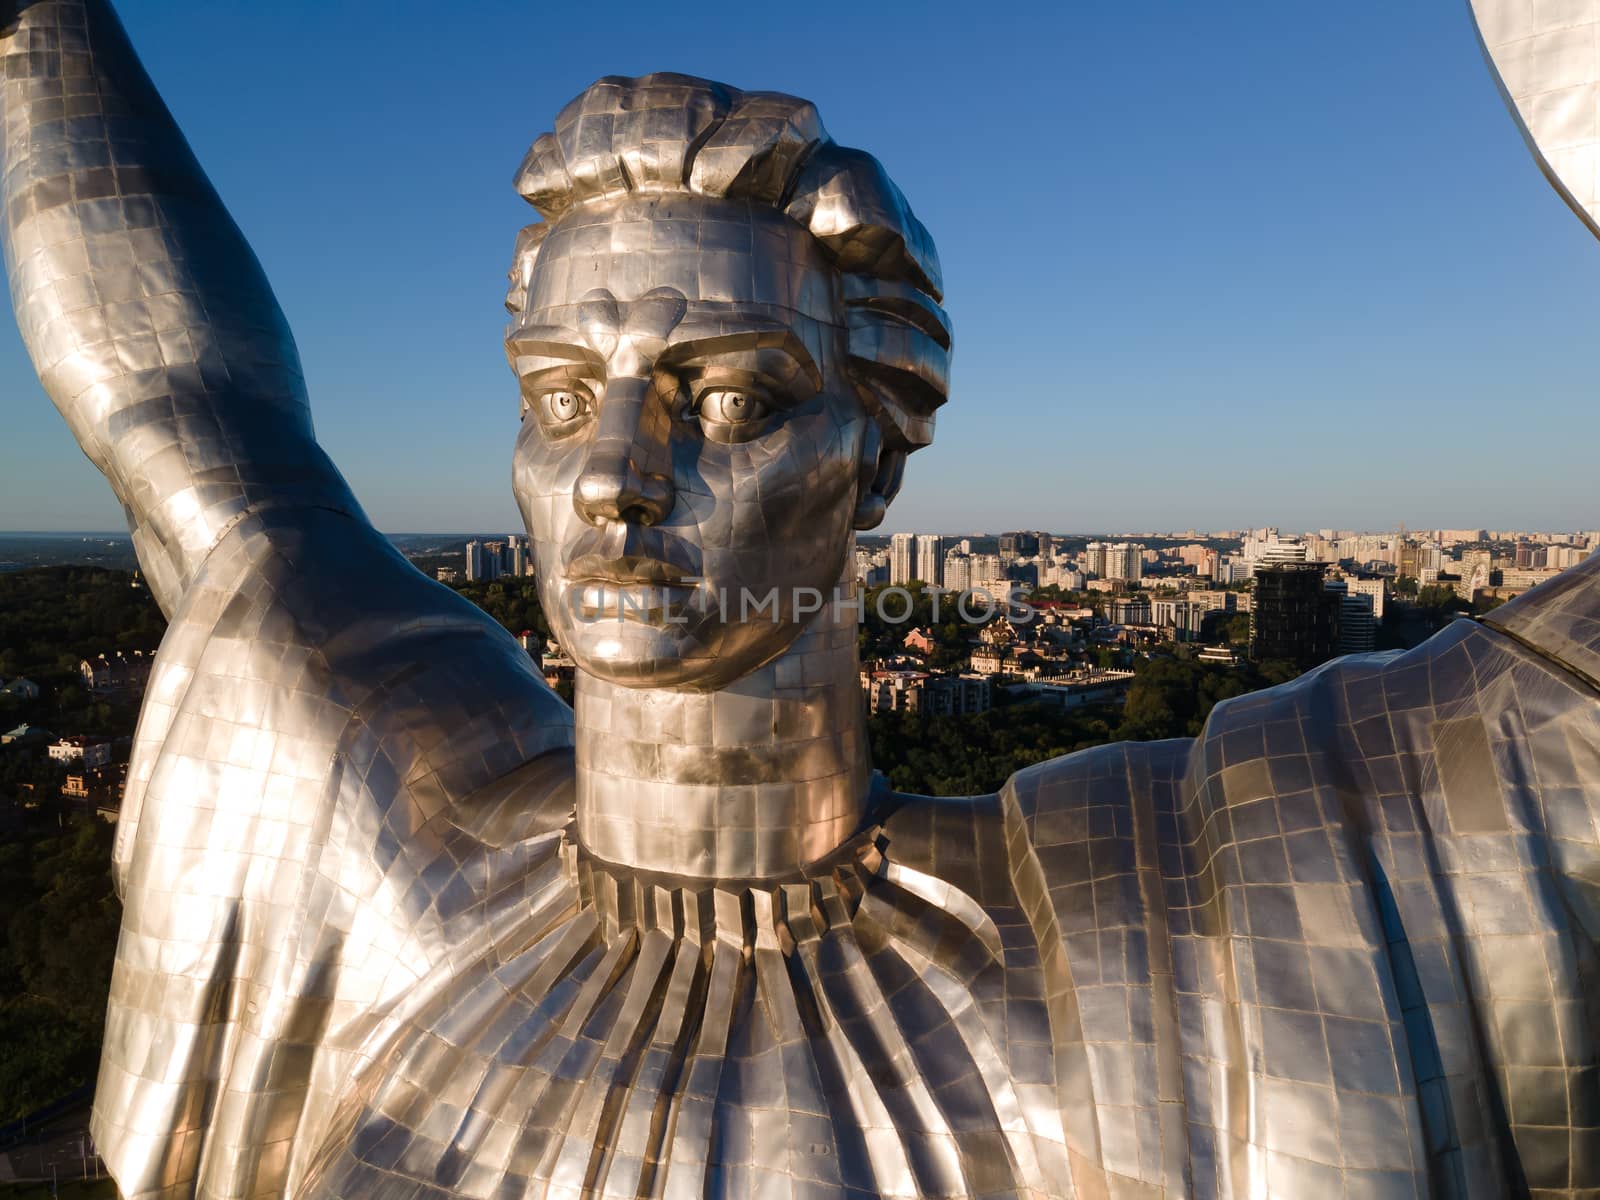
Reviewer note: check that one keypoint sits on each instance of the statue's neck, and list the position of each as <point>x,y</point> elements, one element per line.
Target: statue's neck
<point>750,782</point>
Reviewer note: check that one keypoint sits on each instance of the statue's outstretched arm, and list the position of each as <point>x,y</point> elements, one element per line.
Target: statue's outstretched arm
<point>148,318</point>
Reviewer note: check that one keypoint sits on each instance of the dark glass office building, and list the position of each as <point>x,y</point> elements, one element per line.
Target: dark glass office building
<point>1295,617</point>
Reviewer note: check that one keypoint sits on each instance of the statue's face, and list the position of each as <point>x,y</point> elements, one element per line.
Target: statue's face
<point>690,442</point>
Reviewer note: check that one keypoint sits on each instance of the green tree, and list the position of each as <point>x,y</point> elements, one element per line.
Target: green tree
<point>971,755</point>
<point>1440,602</point>
<point>61,924</point>
<point>886,618</point>
<point>1233,629</point>
<point>1170,697</point>
<point>512,601</point>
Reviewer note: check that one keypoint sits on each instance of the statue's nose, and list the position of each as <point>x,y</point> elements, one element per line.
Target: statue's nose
<point>627,475</point>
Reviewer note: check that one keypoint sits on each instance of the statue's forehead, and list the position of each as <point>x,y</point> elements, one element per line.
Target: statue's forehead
<point>726,251</point>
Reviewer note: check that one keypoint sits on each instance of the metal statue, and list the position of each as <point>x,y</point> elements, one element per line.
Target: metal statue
<point>1546,58</point>
<point>396,924</point>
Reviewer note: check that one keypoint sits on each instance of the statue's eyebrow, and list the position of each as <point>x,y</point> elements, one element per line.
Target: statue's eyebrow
<point>551,341</point>
<point>710,337</point>
<point>541,348</point>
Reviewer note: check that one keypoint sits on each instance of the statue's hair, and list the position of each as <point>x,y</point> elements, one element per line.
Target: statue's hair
<point>676,133</point>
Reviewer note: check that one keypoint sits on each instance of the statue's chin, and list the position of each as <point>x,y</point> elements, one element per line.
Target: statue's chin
<point>634,655</point>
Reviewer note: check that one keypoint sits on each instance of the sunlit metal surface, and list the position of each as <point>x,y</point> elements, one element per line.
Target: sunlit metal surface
<point>1545,54</point>
<point>392,930</point>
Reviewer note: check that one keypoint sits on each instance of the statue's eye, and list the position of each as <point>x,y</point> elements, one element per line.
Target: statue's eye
<point>732,407</point>
<point>731,414</point>
<point>562,409</point>
<point>563,406</point>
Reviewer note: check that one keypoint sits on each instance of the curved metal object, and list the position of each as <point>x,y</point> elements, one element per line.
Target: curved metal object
<point>1545,56</point>
<point>391,928</point>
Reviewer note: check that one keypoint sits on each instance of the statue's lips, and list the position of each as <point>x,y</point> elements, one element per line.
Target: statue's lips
<point>623,572</point>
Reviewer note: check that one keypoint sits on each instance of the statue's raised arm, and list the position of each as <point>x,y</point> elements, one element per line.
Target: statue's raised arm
<point>327,734</point>
<point>146,314</point>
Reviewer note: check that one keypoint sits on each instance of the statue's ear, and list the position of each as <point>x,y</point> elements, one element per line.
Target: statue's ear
<point>881,473</point>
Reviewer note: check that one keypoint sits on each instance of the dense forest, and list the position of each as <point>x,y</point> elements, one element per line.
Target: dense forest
<point>965,756</point>
<point>513,601</point>
<point>50,617</point>
<point>61,920</point>
<point>53,617</point>
<point>58,909</point>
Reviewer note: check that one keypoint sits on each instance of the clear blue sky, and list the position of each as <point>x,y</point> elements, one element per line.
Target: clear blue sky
<point>1209,264</point>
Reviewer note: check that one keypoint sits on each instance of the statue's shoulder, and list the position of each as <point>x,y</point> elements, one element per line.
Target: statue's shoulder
<point>1044,820</point>
<point>310,669</point>
<point>1560,618</point>
<point>347,639</point>
<point>1265,757</point>
<point>1101,785</point>
<point>1097,813</point>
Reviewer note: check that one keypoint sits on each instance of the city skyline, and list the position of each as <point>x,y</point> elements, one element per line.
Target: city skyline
<point>1496,532</point>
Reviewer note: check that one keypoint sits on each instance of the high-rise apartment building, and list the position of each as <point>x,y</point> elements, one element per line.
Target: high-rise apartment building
<point>1230,568</point>
<point>987,566</point>
<point>871,569</point>
<point>930,558</point>
<point>1564,556</point>
<point>1124,561</point>
<point>1321,549</point>
<point>902,558</point>
<point>474,561</point>
<point>1377,590</point>
<point>1094,560</point>
<point>494,560</point>
<point>1531,556</point>
<point>1186,618</point>
<point>1358,629</point>
<point>957,573</point>
<point>1418,560</point>
<point>1018,545</point>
